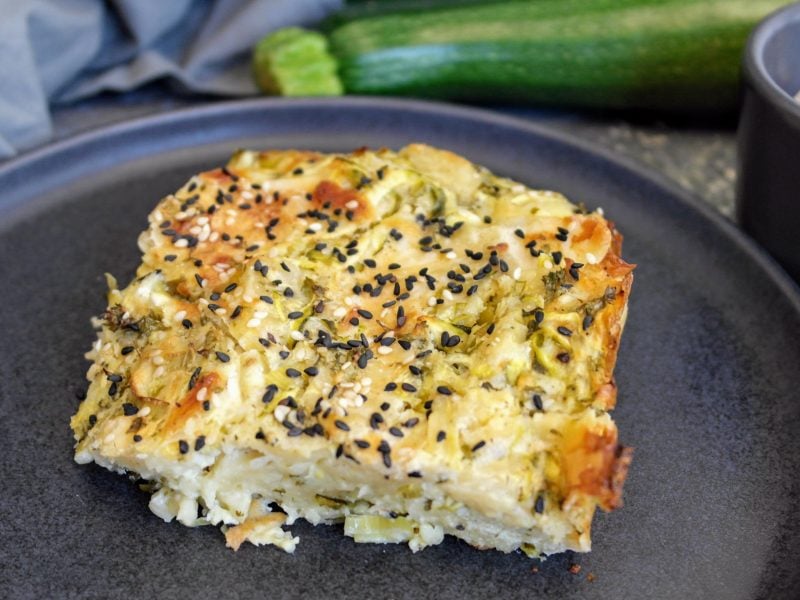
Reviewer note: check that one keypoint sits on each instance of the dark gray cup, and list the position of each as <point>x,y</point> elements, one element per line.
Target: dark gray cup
<point>768,188</point>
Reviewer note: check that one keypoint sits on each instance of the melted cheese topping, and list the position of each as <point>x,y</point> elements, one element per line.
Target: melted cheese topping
<point>400,339</point>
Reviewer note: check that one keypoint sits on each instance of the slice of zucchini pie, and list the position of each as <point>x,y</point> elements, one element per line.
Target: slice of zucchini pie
<point>401,341</point>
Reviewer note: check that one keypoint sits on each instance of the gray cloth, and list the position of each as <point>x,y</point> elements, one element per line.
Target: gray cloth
<point>58,51</point>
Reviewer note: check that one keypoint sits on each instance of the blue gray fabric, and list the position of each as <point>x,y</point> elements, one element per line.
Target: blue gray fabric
<point>59,51</point>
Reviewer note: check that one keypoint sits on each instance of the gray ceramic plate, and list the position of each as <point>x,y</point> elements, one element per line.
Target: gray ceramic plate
<point>709,374</point>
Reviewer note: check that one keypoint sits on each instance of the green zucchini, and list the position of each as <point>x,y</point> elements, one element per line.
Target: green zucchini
<point>662,54</point>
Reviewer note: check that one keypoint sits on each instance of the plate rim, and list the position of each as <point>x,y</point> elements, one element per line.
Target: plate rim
<point>789,288</point>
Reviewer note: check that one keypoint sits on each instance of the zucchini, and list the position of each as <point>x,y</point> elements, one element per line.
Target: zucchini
<point>661,54</point>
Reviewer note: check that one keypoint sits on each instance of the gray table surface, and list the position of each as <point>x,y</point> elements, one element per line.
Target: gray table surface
<point>700,159</point>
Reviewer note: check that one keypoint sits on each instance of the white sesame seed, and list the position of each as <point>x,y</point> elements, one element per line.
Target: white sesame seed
<point>366,382</point>
<point>548,264</point>
<point>182,243</point>
<point>346,366</point>
<point>451,255</point>
<point>195,230</point>
<point>260,314</point>
<point>352,204</point>
<point>517,273</point>
<point>297,335</point>
<point>202,220</point>
<point>248,298</point>
<point>349,301</point>
<point>247,195</point>
<point>432,301</point>
<point>158,360</point>
<point>346,385</point>
<point>340,312</point>
<point>201,394</point>
<point>253,323</point>
<point>144,411</point>
<point>384,349</point>
<point>159,372</point>
<point>181,216</point>
<point>180,315</point>
<point>591,258</point>
<point>315,226</point>
<point>600,211</point>
<point>220,311</point>
<point>281,411</point>
<point>213,237</point>
<point>447,295</point>
<point>230,221</point>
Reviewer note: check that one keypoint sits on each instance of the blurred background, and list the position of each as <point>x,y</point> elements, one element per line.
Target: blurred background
<point>653,80</point>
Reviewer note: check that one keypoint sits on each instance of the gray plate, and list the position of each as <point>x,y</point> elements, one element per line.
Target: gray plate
<point>709,372</point>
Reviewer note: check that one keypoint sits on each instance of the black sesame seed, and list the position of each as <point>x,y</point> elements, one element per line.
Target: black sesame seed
<point>404,344</point>
<point>375,420</point>
<point>416,474</point>
<point>390,387</point>
<point>236,312</point>
<point>112,389</point>
<point>129,409</point>
<point>126,350</point>
<point>362,444</point>
<point>222,356</point>
<point>537,402</point>
<point>539,506</point>
<point>215,296</point>
<point>198,279</point>
<point>440,436</point>
<point>444,390</point>
<point>199,442</point>
<point>453,341</point>
<point>341,425</point>
<point>563,357</point>
<point>354,321</point>
<point>519,233</point>
<point>408,388</point>
<point>370,263</point>
<point>362,361</point>
<point>284,354</point>
<point>183,447</point>
<point>295,314</point>
<point>311,371</point>
<point>472,289</point>
<point>137,437</point>
<point>395,431</point>
<point>538,315</point>
<point>231,287</point>
<point>193,378</point>
<point>266,299</point>
<point>478,446</point>
<point>170,257</point>
<point>290,372</point>
<point>415,370</point>
<point>587,322</point>
<point>565,331</point>
<point>364,313</point>
<point>557,257</point>
<point>269,395</point>
<point>487,219</point>
<point>412,422</point>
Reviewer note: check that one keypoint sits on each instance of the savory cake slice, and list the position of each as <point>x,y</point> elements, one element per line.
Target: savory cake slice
<point>399,340</point>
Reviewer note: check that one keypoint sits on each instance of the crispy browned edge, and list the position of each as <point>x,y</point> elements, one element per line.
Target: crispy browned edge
<point>596,464</point>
